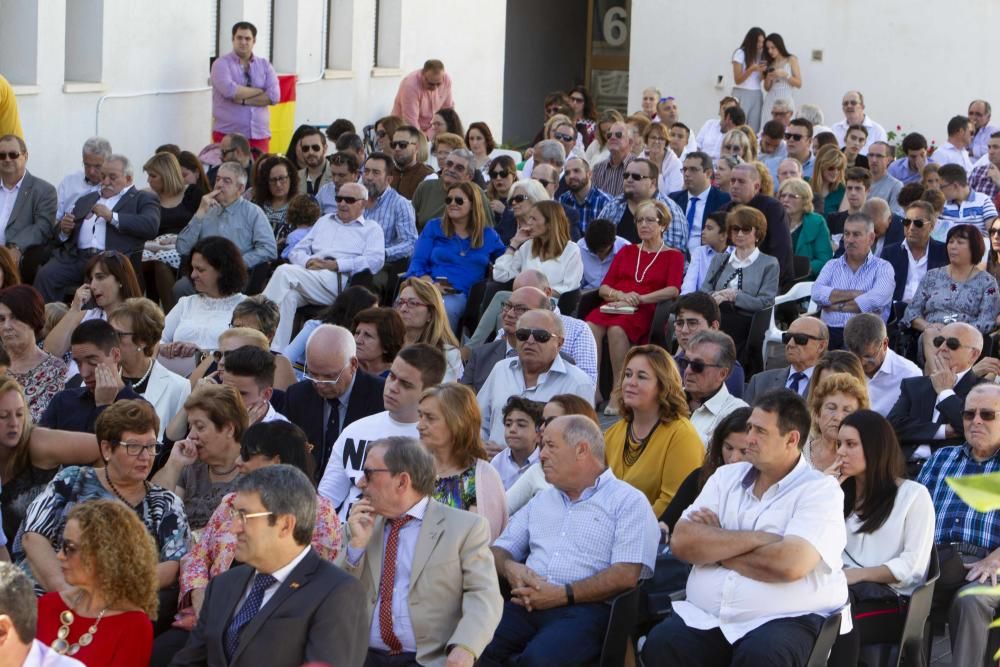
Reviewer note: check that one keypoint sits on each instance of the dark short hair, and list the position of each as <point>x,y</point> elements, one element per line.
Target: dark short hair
<point>378,155</point>
<point>428,359</point>
<point>348,303</point>
<point>284,490</point>
<point>339,127</point>
<point>654,169</point>
<point>17,600</point>
<point>858,127</point>
<point>262,176</point>
<point>803,123</point>
<point>682,126</point>
<point>277,438</point>
<point>350,141</point>
<point>701,303</point>
<point>914,141</point>
<point>957,124</point>
<point>132,415</point>
<point>433,65</point>
<point>910,194</point>
<point>26,305</point>
<point>245,25</point>
<point>600,233</point>
<point>859,174</point>
<point>953,173</point>
<point>703,157</point>
<point>826,139</point>
<point>262,308</point>
<point>98,333</point>
<point>736,115</point>
<point>977,247</point>
<point>529,407</point>
<point>484,129</point>
<point>773,129</point>
<point>302,210</point>
<point>343,159</point>
<point>251,361</point>
<point>223,256</point>
<point>925,208</point>
<point>119,266</point>
<point>790,409</point>
<point>389,327</point>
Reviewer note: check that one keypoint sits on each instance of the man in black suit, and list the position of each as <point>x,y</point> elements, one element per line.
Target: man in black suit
<point>123,219</point>
<point>285,605</point>
<point>918,251</point>
<point>27,203</point>
<point>334,394</point>
<point>929,408</point>
<point>805,341</point>
<point>744,188</point>
<point>699,197</point>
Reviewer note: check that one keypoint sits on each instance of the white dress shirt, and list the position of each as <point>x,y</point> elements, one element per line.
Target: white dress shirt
<point>884,386</point>
<point>803,384</point>
<point>41,655</point>
<point>357,245</point>
<point>708,415</point>
<point>279,575</point>
<point>509,469</point>
<point>915,273</point>
<point>71,188</point>
<point>875,132</point>
<point>94,229</point>
<point>694,235</point>
<point>697,270</point>
<point>8,197</point>
<point>949,153</point>
<point>805,504</point>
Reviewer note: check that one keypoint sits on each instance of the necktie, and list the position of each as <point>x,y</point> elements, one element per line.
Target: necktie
<point>692,205</point>
<point>387,584</point>
<point>795,380</point>
<point>246,613</point>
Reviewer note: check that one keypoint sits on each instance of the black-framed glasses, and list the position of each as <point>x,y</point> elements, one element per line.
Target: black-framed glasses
<point>698,366</point>
<point>458,201</point>
<point>793,136</point>
<point>799,338</point>
<point>985,415</point>
<point>317,148</point>
<point>69,549</point>
<point>916,222</point>
<point>503,173</point>
<point>564,137</point>
<point>456,166</point>
<point>277,179</point>
<point>368,472</point>
<point>631,175</point>
<point>518,308</point>
<point>950,342</point>
<point>136,448</point>
<point>995,231</point>
<point>344,199</point>
<point>540,335</point>
<point>401,144</point>
<point>10,155</point>
<point>324,380</point>
<point>517,199</point>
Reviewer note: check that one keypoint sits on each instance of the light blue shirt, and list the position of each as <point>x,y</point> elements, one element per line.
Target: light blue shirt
<point>701,258</point>
<point>566,541</point>
<point>875,278</point>
<point>242,222</point>
<point>394,214</point>
<point>595,268</point>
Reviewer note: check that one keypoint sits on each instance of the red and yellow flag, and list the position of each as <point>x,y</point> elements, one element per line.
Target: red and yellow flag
<point>283,114</point>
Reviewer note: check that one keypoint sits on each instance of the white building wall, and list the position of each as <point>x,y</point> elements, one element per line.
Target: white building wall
<point>917,63</point>
<point>162,47</point>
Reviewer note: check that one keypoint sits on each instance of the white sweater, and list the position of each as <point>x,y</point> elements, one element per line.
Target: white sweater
<point>565,272</point>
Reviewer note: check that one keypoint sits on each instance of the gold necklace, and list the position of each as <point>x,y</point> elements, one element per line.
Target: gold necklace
<point>66,618</point>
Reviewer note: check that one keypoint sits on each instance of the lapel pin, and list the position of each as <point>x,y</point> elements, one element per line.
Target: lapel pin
<point>294,585</point>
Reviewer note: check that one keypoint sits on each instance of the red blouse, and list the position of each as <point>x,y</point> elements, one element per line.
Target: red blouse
<point>124,640</point>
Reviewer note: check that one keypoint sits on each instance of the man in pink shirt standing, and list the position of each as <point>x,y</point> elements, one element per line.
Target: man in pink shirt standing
<point>421,93</point>
<point>243,87</point>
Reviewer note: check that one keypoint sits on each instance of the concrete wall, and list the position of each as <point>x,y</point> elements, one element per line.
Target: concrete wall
<point>153,47</point>
<point>917,63</point>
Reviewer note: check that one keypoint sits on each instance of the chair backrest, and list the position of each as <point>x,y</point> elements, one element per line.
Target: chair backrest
<point>772,349</point>
<point>802,269</point>
<point>824,641</point>
<point>912,643</point>
<point>621,624</point>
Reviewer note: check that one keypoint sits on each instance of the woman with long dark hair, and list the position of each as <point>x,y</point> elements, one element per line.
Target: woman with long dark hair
<point>780,76</point>
<point>584,113</point>
<point>748,75</point>
<point>890,531</point>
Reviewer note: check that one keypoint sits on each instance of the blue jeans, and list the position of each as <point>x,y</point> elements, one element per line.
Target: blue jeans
<point>454,305</point>
<point>559,636</point>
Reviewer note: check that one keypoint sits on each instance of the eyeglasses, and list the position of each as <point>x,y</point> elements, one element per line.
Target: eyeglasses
<point>344,199</point>
<point>540,335</point>
<point>732,147</point>
<point>499,174</point>
<point>458,201</point>
<point>517,199</point>
<point>10,155</point>
<point>317,148</point>
<point>241,516</point>
<point>631,175</point>
<point>985,415</point>
<point>409,303</point>
<point>69,549</point>
<point>789,195</point>
<point>698,366</point>
<point>793,136</point>
<point>320,380</point>
<point>580,100</point>
<point>616,135</point>
<point>517,308</point>
<point>277,179</point>
<point>917,222</point>
<point>850,103</point>
<point>551,110</point>
<point>455,166</point>
<point>995,231</point>
<point>689,323</point>
<point>134,448</point>
<point>401,144</point>
<point>737,229</point>
<point>951,342</point>
<point>564,137</point>
<point>799,338</point>
<point>380,133</point>
<point>368,472</point>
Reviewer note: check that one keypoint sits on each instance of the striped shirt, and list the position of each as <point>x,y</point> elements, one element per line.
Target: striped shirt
<point>980,181</point>
<point>566,541</point>
<point>875,278</point>
<point>394,214</point>
<point>608,178</point>
<point>956,521</point>
<point>593,203</point>
<point>977,209</point>
<point>675,236</point>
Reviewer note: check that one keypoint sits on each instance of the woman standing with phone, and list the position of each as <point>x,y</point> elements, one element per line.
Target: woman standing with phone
<point>748,75</point>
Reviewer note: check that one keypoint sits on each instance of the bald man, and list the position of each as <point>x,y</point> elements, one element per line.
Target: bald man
<point>337,249</point>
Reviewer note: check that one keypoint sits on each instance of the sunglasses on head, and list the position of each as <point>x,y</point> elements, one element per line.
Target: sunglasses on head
<point>458,201</point>
<point>914,221</point>
<point>503,173</point>
<point>698,366</point>
<point>951,342</point>
<point>344,199</point>
<point>632,176</point>
<point>799,338</point>
<point>985,415</point>
<point>400,144</point>
<point>540,335</point>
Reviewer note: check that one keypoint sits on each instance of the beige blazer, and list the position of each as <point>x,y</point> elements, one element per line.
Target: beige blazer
<point>454,594</point>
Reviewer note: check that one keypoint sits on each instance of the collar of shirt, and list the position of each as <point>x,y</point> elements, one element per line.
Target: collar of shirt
<point>282,573</point>
<point>909,253</point>
<point>738,263</point>
<point>888,366</point>
<point>532,458</point>
<point>718,400</point>
<point>868,260</point>
<point>602,479</point>
<point>17,186</point>
<point>417,511</point>
<point>752,474</point>
<point>702,196</point>
<point>359,221</point>
<point>967,453</point>
<point>231,206</point>
<point>808,372</point>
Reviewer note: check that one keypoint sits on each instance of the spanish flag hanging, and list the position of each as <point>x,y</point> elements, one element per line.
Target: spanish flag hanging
<point>283,114</point>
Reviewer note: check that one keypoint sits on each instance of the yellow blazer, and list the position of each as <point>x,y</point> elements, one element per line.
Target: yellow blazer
<point>454,594</point>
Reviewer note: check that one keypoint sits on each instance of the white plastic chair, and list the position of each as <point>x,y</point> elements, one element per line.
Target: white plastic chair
<point>772,337</point>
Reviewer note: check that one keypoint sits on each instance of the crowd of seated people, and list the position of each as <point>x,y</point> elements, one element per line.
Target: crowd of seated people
<point>463,384</point>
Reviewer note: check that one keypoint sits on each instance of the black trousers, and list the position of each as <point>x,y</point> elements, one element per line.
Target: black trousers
<point>784,642</point>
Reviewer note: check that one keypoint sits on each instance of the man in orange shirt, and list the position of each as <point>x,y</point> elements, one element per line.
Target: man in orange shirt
<point>421,93</point>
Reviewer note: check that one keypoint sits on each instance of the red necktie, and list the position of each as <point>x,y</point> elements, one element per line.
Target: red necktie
<point>387,584</point>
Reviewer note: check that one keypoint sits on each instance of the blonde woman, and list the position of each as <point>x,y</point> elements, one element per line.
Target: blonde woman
<point>833,398</point>
<point>543,243</point>
<point>810,234</point>
<point>736,144</point>
<point>829,171</point>
<point>420,306</point>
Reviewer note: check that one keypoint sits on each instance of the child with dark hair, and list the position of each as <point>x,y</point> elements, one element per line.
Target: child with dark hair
<point>303,212</point>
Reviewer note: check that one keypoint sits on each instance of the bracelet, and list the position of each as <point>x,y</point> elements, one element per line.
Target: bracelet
<point>570,599</point>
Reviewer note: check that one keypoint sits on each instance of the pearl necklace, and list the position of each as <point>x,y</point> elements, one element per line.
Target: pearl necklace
<point>639,279</point>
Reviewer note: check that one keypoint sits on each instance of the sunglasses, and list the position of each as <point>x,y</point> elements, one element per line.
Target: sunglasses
<point>791,136</point>
<point>540,335</point>
<point>799,338</point>
<point>737,229</point>
<point>314,148</point>
<point>454,165</point>
<point>985,415</point>
<point>616,135</point>
<point>517,199</point>
<point>732,147</point>
<point>632,176</point>
<point>10,155</point>
<point>915,221</point>
<point>552,109</point>
<point>564,137</point>
<point>401,144</point>
<point>380,133</point>
<point>698,366</point>
<point>458,201</point>
<point>344,199</point>
<point>951,342</point>
<point>499,174</point>
<point>995,231</point>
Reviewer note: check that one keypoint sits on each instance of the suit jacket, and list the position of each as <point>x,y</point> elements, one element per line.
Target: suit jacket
<point>484,357</point>
<point>715,200</point>
<point>911,416</point>
<point>778,241</point>
<point>937,256</point>
<point>313,616</point>
<point>138,221</point>
<point>454,595</point>
<point>33,218</point>
<point>760,281</point>
<point>765,381</point>
<point>304,408</point>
